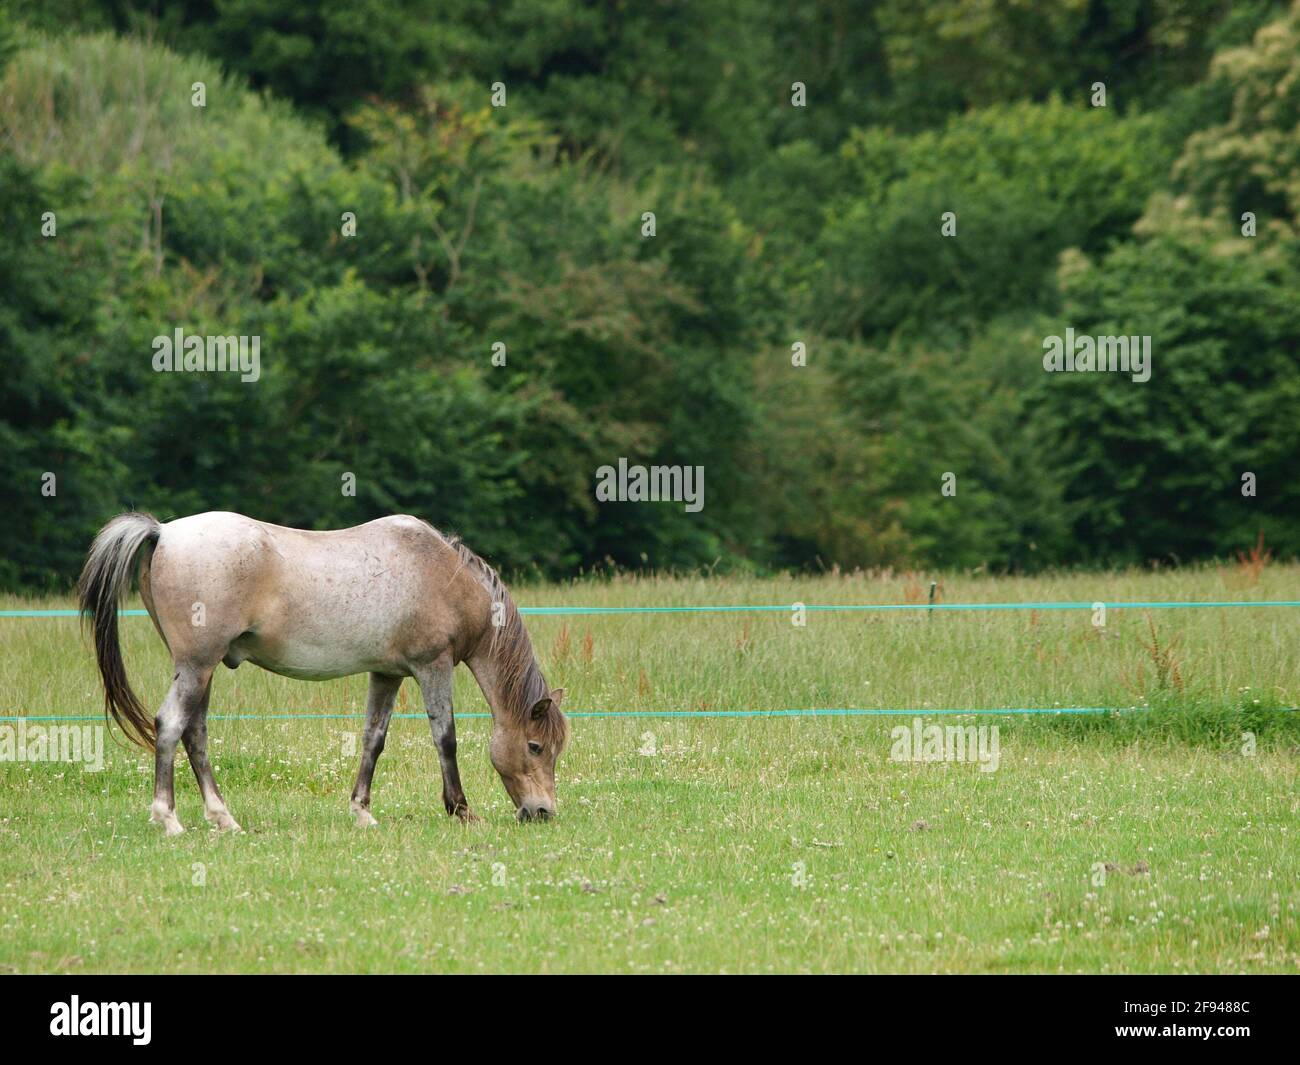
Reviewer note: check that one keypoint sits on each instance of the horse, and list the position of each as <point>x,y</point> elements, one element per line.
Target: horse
<point>393,598</point>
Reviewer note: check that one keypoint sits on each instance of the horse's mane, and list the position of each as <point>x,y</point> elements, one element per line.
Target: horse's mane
<point>520,680</point>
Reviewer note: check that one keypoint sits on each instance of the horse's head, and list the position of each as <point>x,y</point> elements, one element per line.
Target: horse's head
<point>524,751</point>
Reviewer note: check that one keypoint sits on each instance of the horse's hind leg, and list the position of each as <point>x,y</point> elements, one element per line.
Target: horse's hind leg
<point>183,701</point>
<point>195,738</point>
<point>379,709</point>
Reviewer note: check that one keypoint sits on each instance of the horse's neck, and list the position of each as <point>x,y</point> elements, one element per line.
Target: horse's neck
<point>493,666</point>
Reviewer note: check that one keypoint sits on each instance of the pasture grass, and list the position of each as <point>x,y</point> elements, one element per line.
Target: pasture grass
<point>1161,837</point>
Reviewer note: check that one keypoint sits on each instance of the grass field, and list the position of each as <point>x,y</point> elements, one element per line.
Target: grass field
<point>1156,838</point>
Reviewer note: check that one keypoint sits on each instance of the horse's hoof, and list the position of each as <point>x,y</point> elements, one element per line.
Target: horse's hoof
<point>223,822</point>
<point>365,819</point>
<point>171,824</point>
<point>468,818</point>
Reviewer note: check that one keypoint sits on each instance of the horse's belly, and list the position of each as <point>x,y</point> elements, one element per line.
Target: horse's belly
<point>304,661</point>
<point>305,672</point>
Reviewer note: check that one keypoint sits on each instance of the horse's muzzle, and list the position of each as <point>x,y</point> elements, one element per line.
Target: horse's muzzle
<point>535,811</point>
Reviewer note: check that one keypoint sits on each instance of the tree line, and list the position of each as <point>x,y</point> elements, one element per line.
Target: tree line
<point>867,221</point>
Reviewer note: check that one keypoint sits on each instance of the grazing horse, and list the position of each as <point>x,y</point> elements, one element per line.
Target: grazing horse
<point>393,598</point>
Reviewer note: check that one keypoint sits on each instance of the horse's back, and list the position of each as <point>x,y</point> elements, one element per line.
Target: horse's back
<point>237,557</point>
<point>226,527</point>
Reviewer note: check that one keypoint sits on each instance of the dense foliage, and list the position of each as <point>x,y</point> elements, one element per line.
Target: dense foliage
<point>775,225</point>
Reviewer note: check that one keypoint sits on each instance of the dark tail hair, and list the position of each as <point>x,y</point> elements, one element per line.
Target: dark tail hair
<point>104,582</point>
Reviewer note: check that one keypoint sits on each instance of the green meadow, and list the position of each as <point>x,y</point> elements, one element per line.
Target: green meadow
<point>1160,836</point>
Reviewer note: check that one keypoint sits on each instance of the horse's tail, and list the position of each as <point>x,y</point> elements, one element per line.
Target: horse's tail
<point>104,582</point>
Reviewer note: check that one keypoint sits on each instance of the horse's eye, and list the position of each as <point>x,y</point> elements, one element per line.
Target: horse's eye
<point>534,747</point>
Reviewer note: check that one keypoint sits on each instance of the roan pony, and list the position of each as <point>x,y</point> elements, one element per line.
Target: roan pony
<point>393,598</point>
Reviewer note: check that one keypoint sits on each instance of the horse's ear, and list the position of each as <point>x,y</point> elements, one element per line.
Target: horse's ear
<point>541,708</point>
<point>557,696</point>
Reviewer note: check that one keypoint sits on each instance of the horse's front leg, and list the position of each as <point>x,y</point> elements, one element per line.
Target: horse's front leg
<point>435,685</point>
<point>379,710</point>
